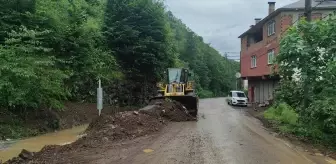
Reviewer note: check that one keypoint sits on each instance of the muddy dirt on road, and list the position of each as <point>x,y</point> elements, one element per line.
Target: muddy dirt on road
<point>222,135</point>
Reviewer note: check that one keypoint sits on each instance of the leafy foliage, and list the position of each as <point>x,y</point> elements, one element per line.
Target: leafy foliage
<point>283,114</point>
<point>78,41</point>
<point>141,44</point>
<point>307,54</point>
<point>28,74</point>
<point>52,51</point>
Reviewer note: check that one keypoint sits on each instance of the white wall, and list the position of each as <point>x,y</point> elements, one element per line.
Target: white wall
<point>263,89</point>
<point>245,84</point>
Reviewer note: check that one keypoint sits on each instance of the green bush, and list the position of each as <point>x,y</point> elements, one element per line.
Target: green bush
<point>312,95</point>
<point>288,121</point>
<point>310,131</point>
<point>205,94</point>
<point>283,114</point>
<point>287,129</point>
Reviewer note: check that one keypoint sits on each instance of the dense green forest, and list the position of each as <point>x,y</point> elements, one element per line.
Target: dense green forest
<point>55,51</point>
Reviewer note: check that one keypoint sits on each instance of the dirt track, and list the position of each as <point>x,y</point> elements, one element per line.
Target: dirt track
<point>222,135</point>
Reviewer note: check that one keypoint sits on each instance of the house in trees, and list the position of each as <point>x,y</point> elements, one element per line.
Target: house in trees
<point>260,45</point>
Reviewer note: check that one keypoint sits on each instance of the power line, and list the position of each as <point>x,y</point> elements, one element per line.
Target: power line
<point>286,31</point>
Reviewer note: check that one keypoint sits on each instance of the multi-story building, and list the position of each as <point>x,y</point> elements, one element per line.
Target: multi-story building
<point>260,45</point>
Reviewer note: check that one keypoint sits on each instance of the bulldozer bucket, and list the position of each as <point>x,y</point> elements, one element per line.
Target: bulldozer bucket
<point>190,102</point>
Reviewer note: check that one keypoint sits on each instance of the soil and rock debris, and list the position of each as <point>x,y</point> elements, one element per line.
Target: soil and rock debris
<point>220,132</point>
<point>109,128</point>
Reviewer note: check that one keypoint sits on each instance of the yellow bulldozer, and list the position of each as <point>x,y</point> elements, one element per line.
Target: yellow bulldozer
<point>178,87</point>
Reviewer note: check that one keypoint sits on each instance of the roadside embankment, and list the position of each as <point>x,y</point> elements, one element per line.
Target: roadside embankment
<point>110,127</point>
<point>38,122</point>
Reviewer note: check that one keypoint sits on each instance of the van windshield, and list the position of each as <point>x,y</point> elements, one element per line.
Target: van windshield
<point>238,94</point>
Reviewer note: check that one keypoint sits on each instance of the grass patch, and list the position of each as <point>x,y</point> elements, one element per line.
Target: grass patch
<point>284,118</point>
<point>205,94</point>
<point>282,114</point>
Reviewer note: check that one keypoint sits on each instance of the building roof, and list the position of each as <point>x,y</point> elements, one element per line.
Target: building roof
<point>299,5</point>
<point>318,3</point>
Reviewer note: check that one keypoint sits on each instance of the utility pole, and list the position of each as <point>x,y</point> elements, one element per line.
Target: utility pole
<point>308,11</point>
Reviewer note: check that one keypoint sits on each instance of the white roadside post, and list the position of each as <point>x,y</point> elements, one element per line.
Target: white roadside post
<point>99,98</point>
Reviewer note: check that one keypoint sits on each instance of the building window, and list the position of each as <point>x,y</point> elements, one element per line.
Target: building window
<point>253,61</point>
<point>270,56</point>
<point>271,28</point>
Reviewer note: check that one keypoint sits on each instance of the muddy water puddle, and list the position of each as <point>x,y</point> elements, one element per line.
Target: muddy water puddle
<point>10,149</point>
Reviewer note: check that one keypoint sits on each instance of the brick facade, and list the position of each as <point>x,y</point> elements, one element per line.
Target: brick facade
<point>282,22</point>
<point>260,84</point>
<point>286,22</point>
<point>261,89</point>
<point>261,49</point>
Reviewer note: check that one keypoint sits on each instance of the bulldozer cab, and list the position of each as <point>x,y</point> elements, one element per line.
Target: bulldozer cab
<point>177,75</point>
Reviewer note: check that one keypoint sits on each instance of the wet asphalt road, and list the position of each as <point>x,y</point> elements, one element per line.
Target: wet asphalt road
<point>222,135</point>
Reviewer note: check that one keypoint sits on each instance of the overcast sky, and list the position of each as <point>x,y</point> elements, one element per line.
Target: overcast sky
<point>220,22</point>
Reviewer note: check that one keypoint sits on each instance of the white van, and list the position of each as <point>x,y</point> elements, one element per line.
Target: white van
<point>237,98</point>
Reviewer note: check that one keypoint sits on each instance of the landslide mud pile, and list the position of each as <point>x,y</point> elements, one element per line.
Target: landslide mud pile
<point>124,125</point>
<point>171,110</point>
<point>110,128</point>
